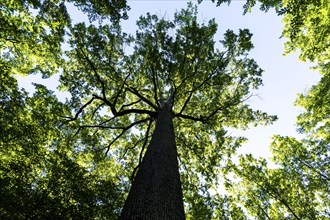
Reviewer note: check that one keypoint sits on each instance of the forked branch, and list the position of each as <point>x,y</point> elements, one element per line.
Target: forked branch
<point>123,132</point>
<point>139,95</point>
<point>80,110</point>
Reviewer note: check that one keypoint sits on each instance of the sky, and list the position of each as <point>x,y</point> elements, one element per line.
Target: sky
<point>284,76</point>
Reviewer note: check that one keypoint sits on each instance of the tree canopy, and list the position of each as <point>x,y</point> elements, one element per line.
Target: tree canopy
<point>78,158</point>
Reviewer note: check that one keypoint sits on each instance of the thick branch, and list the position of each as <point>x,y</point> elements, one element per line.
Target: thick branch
<point>104,97</point>
<point>107,102</point>
<point>127,111</point>
<point>213,113</point>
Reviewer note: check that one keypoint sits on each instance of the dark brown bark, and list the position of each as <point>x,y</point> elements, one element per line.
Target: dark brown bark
<point>156,190</point>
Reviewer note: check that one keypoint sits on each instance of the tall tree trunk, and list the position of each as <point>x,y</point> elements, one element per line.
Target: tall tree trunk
<point>156,192</point>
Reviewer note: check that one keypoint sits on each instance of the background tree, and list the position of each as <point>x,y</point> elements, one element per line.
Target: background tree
<point>42,175</point>
<point>298,187</point>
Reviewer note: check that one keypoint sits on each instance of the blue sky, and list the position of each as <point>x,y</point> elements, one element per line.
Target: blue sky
<point>283,78</point>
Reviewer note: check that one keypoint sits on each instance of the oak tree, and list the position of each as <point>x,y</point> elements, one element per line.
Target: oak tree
<point>165,94</point>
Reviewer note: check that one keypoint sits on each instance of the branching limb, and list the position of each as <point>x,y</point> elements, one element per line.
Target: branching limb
<point>186,102</point>
<point>107,102</point>
<point>120,90</point>
<point>136,92</point>
<point>196,88</point>
<point>123,132</point>
<point>132,147</point>
<point>180,115</point>
<point>202,118</point>
<point>80,110</point>
<point>124,112</point>
<point>96,109</point>
<point>130,104</point>
<point>104,97</point>
<point>95,72</point>
<point>205,81</point>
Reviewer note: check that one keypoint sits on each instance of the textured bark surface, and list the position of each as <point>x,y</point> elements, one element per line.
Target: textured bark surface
<point>156,191</point>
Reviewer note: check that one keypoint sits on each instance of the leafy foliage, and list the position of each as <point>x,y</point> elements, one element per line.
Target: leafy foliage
<point>30,39</point>
<point>307,29</point>
<point>32,31</point>
<point>40,175</point>
<point>265,5</point>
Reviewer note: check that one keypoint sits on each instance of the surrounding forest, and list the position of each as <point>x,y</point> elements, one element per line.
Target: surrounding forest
<point>144,133</point>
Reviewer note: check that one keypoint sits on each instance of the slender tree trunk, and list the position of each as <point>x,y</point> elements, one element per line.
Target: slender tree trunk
<point>156,192</point>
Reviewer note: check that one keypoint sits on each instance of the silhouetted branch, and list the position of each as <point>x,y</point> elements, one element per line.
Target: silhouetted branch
<point>191,92</point>
<point>142,149</point>
<point>123,132</point>
<point>120,90</point>
<point>145,140</point>
<point>180,115</point>
<point>80,110</point>
<point>324,176</point>
<point>107,102</point>
<point>130,104</point>
<point>136,92</point>
<point>132,147</point>
<point>95,72</point>
<point>96,109</point>
<point>127,111</point>
<point>133,173</point>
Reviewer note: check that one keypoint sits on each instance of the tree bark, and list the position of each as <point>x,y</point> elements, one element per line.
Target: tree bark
<point>156,192</point>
